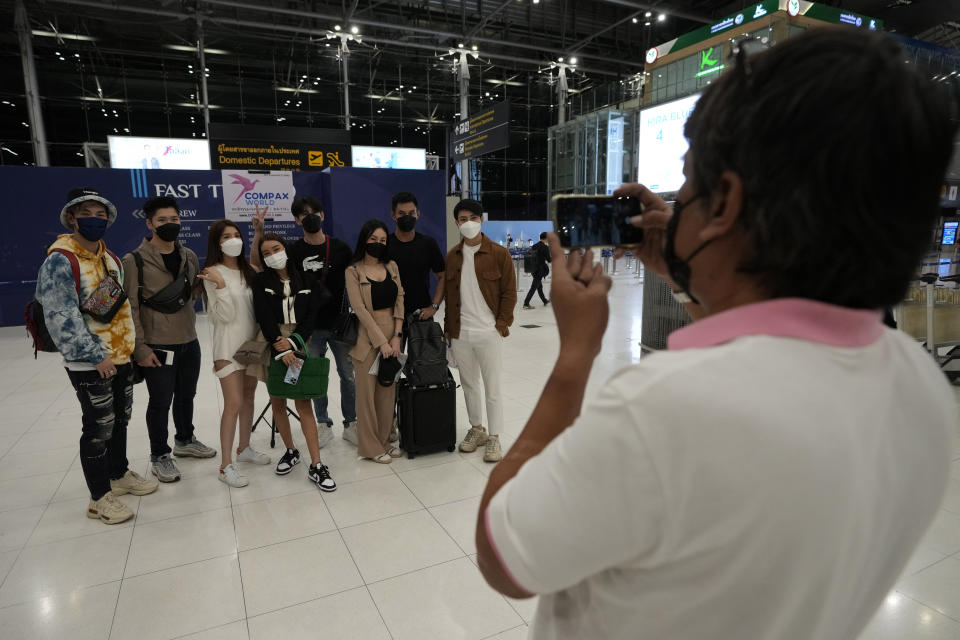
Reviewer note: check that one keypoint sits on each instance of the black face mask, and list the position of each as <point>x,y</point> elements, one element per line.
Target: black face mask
<point>168,232</point>
<point>406,223</point>
<point>312,223</point>
<point>376,250</point>
<point>679,268</point>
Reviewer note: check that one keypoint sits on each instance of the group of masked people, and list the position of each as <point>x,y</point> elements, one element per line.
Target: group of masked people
<point>117,321</point>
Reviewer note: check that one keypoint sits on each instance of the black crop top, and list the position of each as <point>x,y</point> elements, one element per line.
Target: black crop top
<point>383,294</point>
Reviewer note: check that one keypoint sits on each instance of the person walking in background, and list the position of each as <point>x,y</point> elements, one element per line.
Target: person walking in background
<point>159,277</point>
<point>285,303</point>
<point>540,271</point>
<point>227,278</point>
<point>96,354</point>
<point>481,293</point>
<point>377,297</point>
<point>324,259</point>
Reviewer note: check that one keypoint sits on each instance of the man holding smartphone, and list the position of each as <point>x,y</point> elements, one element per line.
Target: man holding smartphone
<point>159,278</point>
<point>769,475</point>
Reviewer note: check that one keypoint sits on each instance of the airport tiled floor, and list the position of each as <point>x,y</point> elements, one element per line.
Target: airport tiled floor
<point>388,555</point>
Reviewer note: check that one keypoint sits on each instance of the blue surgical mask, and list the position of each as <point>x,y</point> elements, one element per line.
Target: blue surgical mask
<point>92,228</point>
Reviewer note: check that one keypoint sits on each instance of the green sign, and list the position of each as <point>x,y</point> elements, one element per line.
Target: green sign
<point>837,15</point>
<point>761,10</point>
<point>749,14</point>
<point>707,59</point>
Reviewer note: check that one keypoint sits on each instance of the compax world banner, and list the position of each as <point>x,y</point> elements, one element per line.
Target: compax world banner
<point>245,191</point>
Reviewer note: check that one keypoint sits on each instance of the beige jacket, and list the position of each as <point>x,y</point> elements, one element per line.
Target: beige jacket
<point>154,327</point>
<point>369,335</point>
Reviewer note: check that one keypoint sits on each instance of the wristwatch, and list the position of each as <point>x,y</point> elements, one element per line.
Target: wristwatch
<point>399,334</point>
<point>435,306</point>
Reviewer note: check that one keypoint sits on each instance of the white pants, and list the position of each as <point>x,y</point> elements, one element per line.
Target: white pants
<point>480,356</point>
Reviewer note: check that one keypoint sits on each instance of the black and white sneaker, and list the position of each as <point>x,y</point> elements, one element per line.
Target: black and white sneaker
<point>289,460</point>
<point>320,475</point>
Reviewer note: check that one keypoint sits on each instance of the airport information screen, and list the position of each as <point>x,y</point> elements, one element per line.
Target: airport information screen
<point>662,145</point>
<point>127,152</point>
<point>389,157</point>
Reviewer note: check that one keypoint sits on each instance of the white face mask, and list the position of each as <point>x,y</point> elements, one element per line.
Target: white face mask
<point>277,260</point>
<point>232,247</point>
<point>469,230</point>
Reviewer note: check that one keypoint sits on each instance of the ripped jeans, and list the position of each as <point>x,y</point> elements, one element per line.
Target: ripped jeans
<point>106,405</point>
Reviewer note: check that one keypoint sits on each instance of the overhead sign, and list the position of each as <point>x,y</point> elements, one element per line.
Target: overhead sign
<point>389,157</point>
<point>128,152</point>
<point>278,148</point>
<point>758,11</point>
<point>487,131</point>
<point>245,191</point>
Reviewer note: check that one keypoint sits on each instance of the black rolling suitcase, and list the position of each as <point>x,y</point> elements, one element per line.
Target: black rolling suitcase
<point>427,416</point>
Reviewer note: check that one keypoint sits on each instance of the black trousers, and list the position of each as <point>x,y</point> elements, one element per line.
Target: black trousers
<point>106,404</point>
<point>172,385</point>
<point>536,286</point>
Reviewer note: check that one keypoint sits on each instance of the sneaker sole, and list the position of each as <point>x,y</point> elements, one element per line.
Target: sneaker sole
<point>119,491</point>
<point>283,473</point>
<point>263,462</point>
<point>164,478</point>
<point>321,487</point>
<point>93,515</point>
<point>230,484</point>
<point>186,453</point>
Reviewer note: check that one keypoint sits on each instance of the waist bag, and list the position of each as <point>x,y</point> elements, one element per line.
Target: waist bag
<point>172,298</point>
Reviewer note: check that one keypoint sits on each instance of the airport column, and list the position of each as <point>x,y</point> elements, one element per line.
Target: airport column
<point>38,136</point>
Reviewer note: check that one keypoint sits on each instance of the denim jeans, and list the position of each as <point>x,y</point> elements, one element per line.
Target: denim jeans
<point>319,342</point>
<point>106,405</point>
<point>172,385</point>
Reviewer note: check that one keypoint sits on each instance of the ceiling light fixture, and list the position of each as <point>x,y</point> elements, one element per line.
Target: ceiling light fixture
<point>62,36</point>
<point>183,47</point>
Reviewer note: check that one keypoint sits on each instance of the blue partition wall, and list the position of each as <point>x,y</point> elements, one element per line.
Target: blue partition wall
<point>357,195</point>
<point>35,196</point>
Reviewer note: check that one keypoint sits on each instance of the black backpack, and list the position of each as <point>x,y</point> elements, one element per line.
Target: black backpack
<point>426,353</point>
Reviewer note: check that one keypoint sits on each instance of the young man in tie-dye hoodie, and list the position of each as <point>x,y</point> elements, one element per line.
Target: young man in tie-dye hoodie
<point>96,354</point>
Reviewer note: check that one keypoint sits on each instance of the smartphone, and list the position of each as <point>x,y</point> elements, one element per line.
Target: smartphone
<point>293,372</point>
<point>165,356</point>
<point>590,221</point>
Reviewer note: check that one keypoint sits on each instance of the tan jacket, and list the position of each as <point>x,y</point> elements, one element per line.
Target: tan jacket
<point>498,285</point>
<point>154,327</point>
<point>369,335</point>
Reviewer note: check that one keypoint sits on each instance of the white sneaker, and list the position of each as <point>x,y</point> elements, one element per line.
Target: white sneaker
<point>252,455</point>
<point>232,476</point>
<point>350,433</point>
<point>325,434</point>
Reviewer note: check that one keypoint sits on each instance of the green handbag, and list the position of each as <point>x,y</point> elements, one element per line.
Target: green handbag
<point>314,375</point>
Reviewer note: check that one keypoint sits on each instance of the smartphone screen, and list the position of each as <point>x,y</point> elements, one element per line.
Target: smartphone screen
<point>161,355</point>
<point>589,221</point>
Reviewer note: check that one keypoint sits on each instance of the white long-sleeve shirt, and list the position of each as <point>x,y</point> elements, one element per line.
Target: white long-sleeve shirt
<point>231,312</point>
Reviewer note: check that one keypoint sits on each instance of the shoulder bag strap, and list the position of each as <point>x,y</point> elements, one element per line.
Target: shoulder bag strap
<point>74,266</point>
<point>139,260</point>
<point>326,261</point>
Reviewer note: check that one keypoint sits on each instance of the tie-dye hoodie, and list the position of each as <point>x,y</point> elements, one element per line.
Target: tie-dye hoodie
<point>83,341</point>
